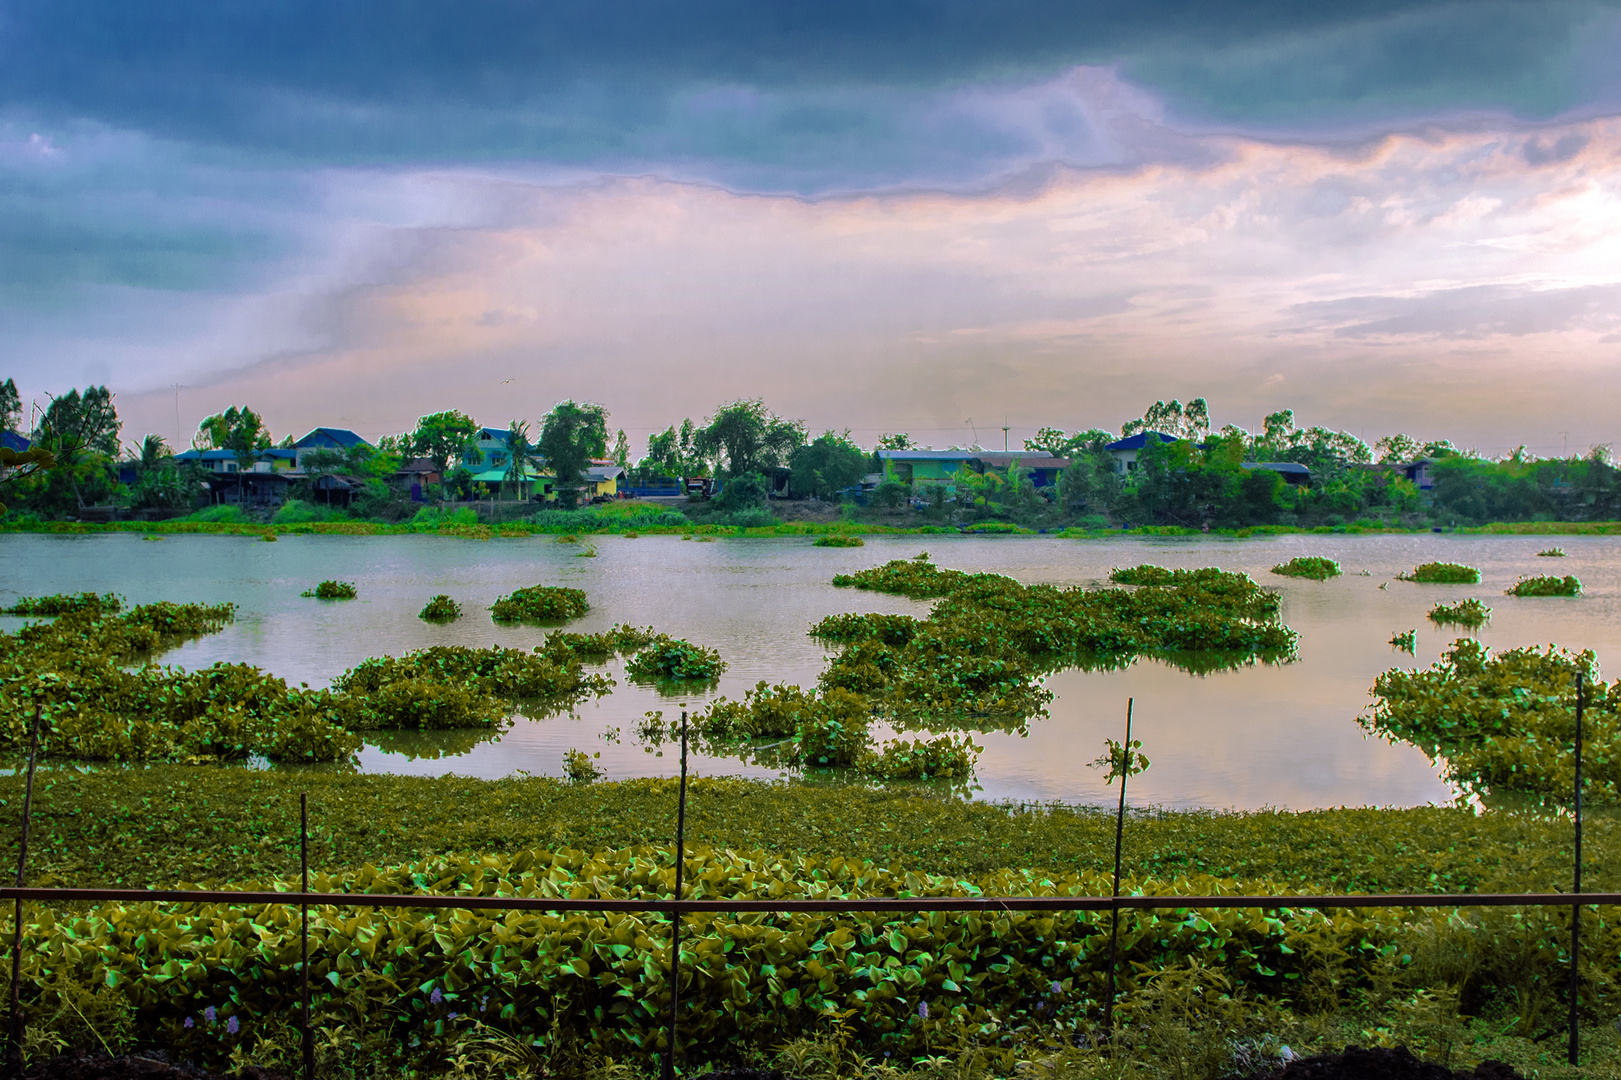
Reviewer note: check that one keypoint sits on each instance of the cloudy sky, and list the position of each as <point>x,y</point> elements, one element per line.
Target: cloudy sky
<point>933,216</point>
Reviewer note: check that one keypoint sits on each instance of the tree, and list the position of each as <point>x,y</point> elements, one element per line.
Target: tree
<point>672,453</point>
<point>1192,422</point>
<point>240,431</point>
<point>1397,449</point>
<point>442,436</point>
<point>11,406</point>
<point>826,466</point>
<point>621,451</point>
<point>751,437</point>
<point>1054,443</point>
<point>902,441</point>
<point>159,482</point>
<point>81,432</point>
<point>570,436</point>
<point>517,454</point>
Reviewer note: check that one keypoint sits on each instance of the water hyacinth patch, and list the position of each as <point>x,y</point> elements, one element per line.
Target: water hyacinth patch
<point>1308,566</point>
<point>1546,585</point>
<point>1405,640</point>
<point>440,609</point>
<point>1552,553</point>
<point>540,603</point>
<point>670,659</point>
<point>1470,613</point>
<point>1506,722</point>
<point>1442,573</point>
<point>332,590</point>
<point>839,541</point>
<point>67,604</point>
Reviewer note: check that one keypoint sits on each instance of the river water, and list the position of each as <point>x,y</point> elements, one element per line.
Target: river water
<point>1263,736</point>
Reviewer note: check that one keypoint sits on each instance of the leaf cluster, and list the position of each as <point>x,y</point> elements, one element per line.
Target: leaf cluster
<point>668,659</point>
<point>67,604</point>
<point>1545,585</point>
<point>441,609</point>
<point>540,603</point>
<point>1469,613</point>
<point>332,590</point>
<point>838,541</point>
<point>1442,573</point>
<point>1309,566</point>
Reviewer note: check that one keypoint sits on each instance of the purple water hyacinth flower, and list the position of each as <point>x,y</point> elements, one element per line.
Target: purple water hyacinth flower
<point>210,1014</point>
<point>436,997</point>
<point>1057,988</point>
<point>450,1016</point>
<point>188,1023</point>
<point>923,1010</point>
<point>232,1026</point>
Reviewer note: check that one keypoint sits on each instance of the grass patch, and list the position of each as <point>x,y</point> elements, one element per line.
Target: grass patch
<point>839,541</point>
<point>1545,585</point>
<point>1308,566</point>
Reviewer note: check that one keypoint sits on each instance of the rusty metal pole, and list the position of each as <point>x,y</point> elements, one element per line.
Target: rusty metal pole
<point>304,928</point>
<point>1114,913</point>
<point>675,916</point>
<point>14,1043</point>
<point>1576,910</point>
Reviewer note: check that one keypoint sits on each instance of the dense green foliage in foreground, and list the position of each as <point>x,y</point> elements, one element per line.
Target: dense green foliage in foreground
<point>1507,722</point>
<point>572,982</point>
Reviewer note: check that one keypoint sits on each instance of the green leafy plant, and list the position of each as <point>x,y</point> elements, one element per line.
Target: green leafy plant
<point>1545,585</point>
<point>1552,553</point>
<point>440,609</point>
<point>540,603</point>
<point>332,590</point>
<point>838,541</point>
<point>672,659</point>
<point>67,604</point>
<point>1405,640</point>
<point>946,757</point>
<point>1470,613</point>
<point>1309,566</point>
<point>580,767</point>
<point>1442,573</point>
<point>1121,759</point>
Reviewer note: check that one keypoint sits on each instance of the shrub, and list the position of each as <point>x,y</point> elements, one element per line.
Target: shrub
<point>67,604</point>
<point>1308,566</point>
<point>1405,640</point>
<point>1442,573</point>
<point>1553,552</point>
<point>1470,613</point>
<point>441,609</point>
<point>839,541</point>
<point>417,704</point>
<point>218,515</point>
<point>676,660</point>
<point>332,590</point>
<point>540,603</point>
<point>300,512</point>
<point>1545,585</point>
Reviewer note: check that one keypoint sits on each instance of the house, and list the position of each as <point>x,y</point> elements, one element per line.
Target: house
<point>414,476</point>
<point>490,452</point>
<point>1420,473</point>
<point>325,438</point>
<point>1293,473</point>
<point>13,441</point>
<point>603,480</point>
<point>1042,470</point>
<point>214,461</point>
<point>927,466</point>
<point>1125,451</point>
<point>495,477</point>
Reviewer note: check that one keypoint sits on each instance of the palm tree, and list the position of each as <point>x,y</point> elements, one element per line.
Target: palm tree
<point>517,454</point>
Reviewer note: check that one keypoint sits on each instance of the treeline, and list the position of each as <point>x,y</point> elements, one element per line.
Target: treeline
<point>758,459</point>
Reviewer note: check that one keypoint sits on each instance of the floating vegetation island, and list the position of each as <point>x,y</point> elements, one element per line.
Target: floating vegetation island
<point>1470,613</point>
<point>1545,585</point>
<point>332,590</point>
<point>440,609</point>
<point>1309,566</point>
<point>1442,573</point>
<point>839,541</point>
<point>1552,553</point>
<point>540,603</point>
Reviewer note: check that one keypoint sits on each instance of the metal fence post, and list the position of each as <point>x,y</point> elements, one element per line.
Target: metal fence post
<point>675,915</point>
<point>14,1050</point>
<point>304,928</point>
<point>1576,909</point>
<point>1114,912</point>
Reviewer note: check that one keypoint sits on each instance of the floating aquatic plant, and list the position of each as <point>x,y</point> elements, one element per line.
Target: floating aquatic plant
<point>440,609</point>
<point>1545,585</point>
<point>540,603</point>
<point>1308,566</point>
<point>1442,573</point>
<point>332,590</point>
<point>1470,613</point>
<point>839,541</point>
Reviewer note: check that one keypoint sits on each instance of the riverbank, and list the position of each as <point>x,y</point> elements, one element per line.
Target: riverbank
<point>520,529</point>
<point>1443,984</point>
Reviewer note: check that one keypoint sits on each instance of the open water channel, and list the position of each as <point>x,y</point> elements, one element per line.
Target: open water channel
<point>1262,736</point>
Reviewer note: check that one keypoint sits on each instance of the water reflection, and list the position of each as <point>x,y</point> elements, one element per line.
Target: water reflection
<point>1263,734</point>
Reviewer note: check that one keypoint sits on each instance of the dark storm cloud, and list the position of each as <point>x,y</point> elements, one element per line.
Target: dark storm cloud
<point>586,82</point>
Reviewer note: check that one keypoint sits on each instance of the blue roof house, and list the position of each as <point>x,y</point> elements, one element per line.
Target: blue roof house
<point>325,438</point>
<point>1125,451</point>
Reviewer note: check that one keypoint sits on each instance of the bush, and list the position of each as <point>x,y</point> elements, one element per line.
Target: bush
<point>580,767</point>
<point>1553,553</point>
<point>1442,573</point>
<point>332,590</point>
<point>299,512</point>
<point>890,495</point>
<point>1308,566</point>
<point>441,609</point>
<point>839,542</point>
<point>540,603</point>
<point>224,514</point>
<point>742,493</point>
<point>420,705</point>
<point>1545,585</point>
<point>1469,613</point>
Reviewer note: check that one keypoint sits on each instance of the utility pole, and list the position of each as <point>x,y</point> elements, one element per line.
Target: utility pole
<point>1004,434</point>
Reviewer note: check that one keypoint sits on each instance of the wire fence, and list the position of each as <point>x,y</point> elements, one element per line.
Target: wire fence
<point>676,906</point>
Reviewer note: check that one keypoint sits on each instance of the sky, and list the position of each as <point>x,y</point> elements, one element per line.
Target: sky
<point>930,216</point>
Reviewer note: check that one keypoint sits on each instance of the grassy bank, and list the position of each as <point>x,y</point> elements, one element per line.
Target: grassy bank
<point>403,993</point>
